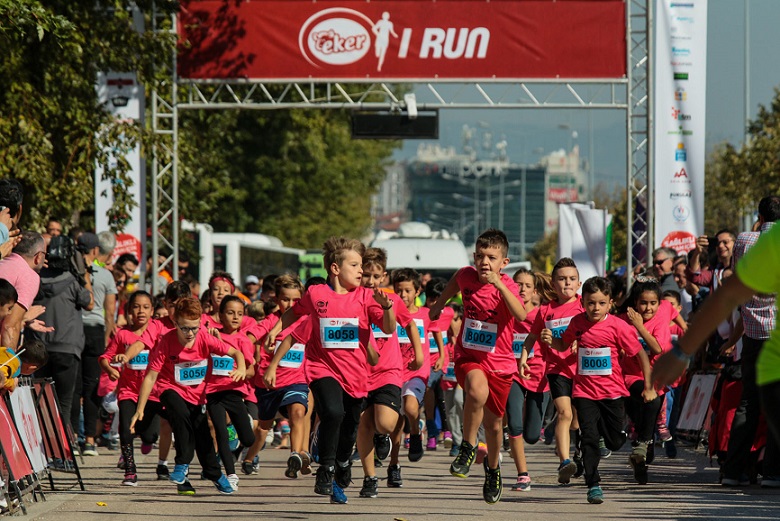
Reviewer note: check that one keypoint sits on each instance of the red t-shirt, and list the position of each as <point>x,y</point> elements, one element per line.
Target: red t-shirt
<point>658,326</point>
<point>423,322</point>
<point>218,378</point>
<point>185,370</point>
<point>131,376</point>
<point>599,374</point>
<point>556,317</point>
<point>390,369</point>
<point>441,325</point>
<point>537,366</point>
<point>488,325</point>
<point>340,334</point>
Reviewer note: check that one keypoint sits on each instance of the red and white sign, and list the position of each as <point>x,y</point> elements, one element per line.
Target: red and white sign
<point>402,39</point>
<point>12,445</point>
<point>562,195</point>
<point>126,243</point>
<point>26,420</point>
<point>680,241</point>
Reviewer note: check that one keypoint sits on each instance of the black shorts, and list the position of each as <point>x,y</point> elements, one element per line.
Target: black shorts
<point>251,408</point>
<point>559,385</point>
<point>269,402</point>
<point>388,395</point>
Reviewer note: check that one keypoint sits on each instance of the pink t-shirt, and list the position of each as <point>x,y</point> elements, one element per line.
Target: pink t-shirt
<point>264,360</point>
<point>441,325</point>
<point>556,317</point>
<point>488,326</point>
<point>22,277</point>
<point>658,326</point>
<point>340,334</point>
<point>423,322</point>
<point>151,337</point>
<point>184,370</point>
<point>131,376</point>
<point>248,325</point>
<point>599,374</point>
<point>292,368</point>
<point>218,378</point>
<point>389,370</point>
<point>536,363</point>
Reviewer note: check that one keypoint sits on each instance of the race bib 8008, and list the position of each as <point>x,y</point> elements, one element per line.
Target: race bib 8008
<point>339,333</point>
<point>594,361</point>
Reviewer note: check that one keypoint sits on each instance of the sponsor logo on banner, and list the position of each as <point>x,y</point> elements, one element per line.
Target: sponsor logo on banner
<point>680,94</point>
<point>679,132</point>
<point>686,194</point>
<point>681,76</point>
<point>681,51</point>
<point>341,36</point>
<point>680,154</point>
<point>562,195</point>
<point>679,241</point>
<point>681,177</point>
<point>680,5</point>
<point>678,115</point>
<point>681,213</point>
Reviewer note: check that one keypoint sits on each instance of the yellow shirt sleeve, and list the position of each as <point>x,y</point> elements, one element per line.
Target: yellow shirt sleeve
<point>759,269</point>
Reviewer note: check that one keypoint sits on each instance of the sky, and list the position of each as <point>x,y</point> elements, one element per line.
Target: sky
<point>528,132</point>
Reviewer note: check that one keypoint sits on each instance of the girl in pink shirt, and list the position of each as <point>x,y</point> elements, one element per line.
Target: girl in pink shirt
<point>598,339</point>
<point>552,320</point>
<point>178,366</point>
<point>139,311</point>
<point>338,354</point>
<point>220,286</point>
<point>225,395</point>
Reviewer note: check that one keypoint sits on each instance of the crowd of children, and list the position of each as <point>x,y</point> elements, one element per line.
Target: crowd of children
<point>372,361</point>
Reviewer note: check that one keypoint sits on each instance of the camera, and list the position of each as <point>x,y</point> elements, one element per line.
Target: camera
<point>62,254</point>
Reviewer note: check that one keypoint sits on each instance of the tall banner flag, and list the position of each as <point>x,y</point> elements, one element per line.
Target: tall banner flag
<point>680,88</point>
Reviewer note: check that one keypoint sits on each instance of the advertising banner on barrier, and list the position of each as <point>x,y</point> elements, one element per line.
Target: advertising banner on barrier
<point>297,40</point>
<point>12,446</point>
<point>697,402</point>
<point>28,426</point>
<point>680,88</point>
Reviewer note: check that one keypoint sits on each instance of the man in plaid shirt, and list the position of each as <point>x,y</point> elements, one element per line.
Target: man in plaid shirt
<point>758,321</point>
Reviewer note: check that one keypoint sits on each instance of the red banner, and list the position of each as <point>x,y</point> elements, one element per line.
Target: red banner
<point>12,446</point>
<point>296,40</point>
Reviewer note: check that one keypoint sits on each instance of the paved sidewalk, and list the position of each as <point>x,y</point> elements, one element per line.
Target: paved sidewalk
<point>683,488</point>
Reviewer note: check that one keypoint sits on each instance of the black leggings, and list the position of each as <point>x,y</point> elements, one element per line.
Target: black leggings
<point>232,403</point>
<point>63,369</point>
<point>339,417</point>
<point>148,428</point>
<point>524,411</point>
<point>644,415</point>
<point>88,379</point>
<point>599,418</point>
<point>191,433</point>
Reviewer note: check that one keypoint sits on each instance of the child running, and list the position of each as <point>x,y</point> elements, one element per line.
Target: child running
<point>178,367</point>
<point>597,339</point>
<point>554,318</point>
<point>437,347</point>
<point>484,361</point>
<point>338,354</point>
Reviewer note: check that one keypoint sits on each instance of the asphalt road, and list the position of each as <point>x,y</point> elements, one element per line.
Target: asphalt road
<point>683,488</point>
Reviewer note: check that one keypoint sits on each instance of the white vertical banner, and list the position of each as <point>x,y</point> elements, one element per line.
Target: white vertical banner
<point>582,236</point>
<point>120,94</point>
<point>680,87</point>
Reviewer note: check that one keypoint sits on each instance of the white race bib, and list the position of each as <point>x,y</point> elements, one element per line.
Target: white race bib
<point>140,361</point>
<point>480,336</point>
<point>403,336</point>
<point>518,340</point>
<point>294,357</point>
<point>449,376</point>
<point>594,361</point>
<point>557,326</point>
<point>378,333</point>
<point>339,333</point>
<point>191,373</point>
<point>222,365</point>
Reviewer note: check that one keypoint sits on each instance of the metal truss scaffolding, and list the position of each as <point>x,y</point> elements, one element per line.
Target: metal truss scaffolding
<point>631,94</point>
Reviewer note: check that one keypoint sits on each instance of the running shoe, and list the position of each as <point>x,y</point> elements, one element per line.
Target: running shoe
<point>146,448</point>
<point>493,487</point>
<point>454,451</point>
<point>460,467</point>
<point>431,444</point>
<point>603,450</point>
<point>523,484</point>
<point>671,449</point>
<point>650,458</point>
<point>305,463</point>
<point>121,463</point>
<point>639,464</point>
<point>416,451</point>
<point>742,481</point>
<point>233,480</point>
<point>179,474</point>
<point>162,472</point>
<point>394,476</point>
<point>89,450</point>
<point>130,480</point>
<point>247,467</point>
<point>566,470</point>
<point>256,464</point>
<point>223,485</point>
<point>338,496</point>
<point>481,452</point>
<point>595,495</point>
<point>447,440</point>
<point>370,485</point>
<point>294,464</point>
<point>324,481</point>
<point>185,489</point>
<point>406,442</point>
<point>343,474</point>
<point>663,433</point>
<point>770,482</point>
<point>506,439</point>
<point>382,445</point>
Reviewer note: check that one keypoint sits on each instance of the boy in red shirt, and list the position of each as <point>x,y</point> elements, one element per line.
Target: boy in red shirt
<point>484,361</point>
<point>599,390</point>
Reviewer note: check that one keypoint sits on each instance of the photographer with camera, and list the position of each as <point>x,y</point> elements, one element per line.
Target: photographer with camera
<point>98,320</point>
<point>64,298</point>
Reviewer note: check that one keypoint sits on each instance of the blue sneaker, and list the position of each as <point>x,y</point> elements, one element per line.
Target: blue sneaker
<point>179,474</point>
<point>595,495</point>
<point>566,470</point>
<point>338,496</point>
<point>223,485</point>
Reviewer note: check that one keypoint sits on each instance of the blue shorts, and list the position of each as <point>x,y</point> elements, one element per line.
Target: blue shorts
<point>271,401</point>
<point>435,378</point>
<point>414,387</point>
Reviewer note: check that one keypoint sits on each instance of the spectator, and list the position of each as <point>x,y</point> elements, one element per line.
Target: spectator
<point>98,328</point>
<point>120,280</point>
<point>63,298</point>
<point>723,249</point>
<point>184,264</point>
<point>11,195</point>
<point>128,263</point>
<point>252,287</point>
<point>21,270</point>
<point>268,294</point>
<point>54,227</point>
<point>663,262</point>
<point>690,293</point>
<point>163,277</point>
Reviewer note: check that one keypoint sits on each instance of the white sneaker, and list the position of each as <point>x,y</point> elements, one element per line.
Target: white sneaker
<point>233,480</point>
<point>269,438</point>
